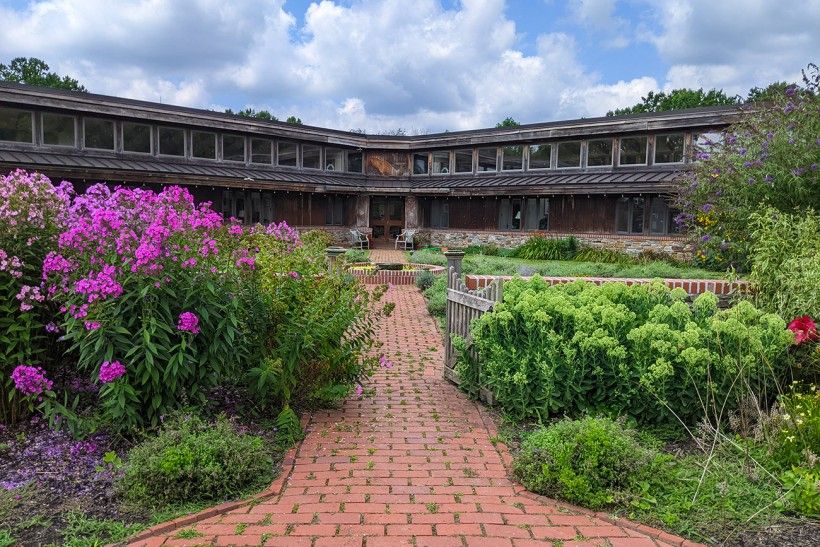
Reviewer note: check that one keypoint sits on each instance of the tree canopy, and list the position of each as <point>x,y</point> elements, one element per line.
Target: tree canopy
<point>677,99</point>
<point>253,113</point>
<point>33,71</point>
<point>507,122</point>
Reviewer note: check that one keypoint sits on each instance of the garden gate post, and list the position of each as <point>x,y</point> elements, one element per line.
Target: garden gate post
<point>332,254</point>
<point>454,259</point>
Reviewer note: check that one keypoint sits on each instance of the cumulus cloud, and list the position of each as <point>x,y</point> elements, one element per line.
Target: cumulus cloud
<point>384,64</point>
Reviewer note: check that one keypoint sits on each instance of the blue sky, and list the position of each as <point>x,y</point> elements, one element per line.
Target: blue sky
<point>420,65</point>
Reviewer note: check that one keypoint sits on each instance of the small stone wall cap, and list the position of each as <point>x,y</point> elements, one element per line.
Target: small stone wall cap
<point>335,251</point>
<point>453,253</point>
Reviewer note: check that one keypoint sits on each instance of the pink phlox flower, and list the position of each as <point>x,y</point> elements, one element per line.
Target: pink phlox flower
<point>110,371</point>
<point>188,322</point>
<point>30,380</point>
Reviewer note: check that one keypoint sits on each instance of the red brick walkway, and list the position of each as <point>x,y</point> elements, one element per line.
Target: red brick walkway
<point>409,463</point>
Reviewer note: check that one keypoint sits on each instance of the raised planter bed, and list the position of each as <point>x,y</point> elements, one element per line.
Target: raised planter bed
<point>395,273</point>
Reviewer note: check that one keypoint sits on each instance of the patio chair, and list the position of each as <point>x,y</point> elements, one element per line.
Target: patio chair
<point>358,240</point>
<point>405,239</point>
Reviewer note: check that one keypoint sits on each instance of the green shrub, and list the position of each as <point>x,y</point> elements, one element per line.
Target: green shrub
<point>436,295</point>
<point>194,460</point>
<point>797,440</point>
<point>357,255</point>
<point>588,461</point>
<point>542,248</point>
<point>429,255</point>
<point>803,487</point>
<point>785,262</point>
<point>317,239</point>
<point>425,279</point>
<point>634,350</point>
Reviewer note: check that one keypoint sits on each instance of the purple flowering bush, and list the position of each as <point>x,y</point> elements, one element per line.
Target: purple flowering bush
<point>32,213</point>
<point>770,158</point>
<point>146,285</point>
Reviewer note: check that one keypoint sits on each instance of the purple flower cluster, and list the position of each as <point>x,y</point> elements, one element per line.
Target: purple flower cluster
<point>27,296</point>
<point>188,322</point>
<point>30,380</point>
<point>11,264</point>
<point>110,371</point>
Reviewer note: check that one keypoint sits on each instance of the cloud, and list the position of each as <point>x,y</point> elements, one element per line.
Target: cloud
<point>735,44</point>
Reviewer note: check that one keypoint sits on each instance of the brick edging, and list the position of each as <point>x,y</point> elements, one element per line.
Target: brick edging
<point>720,287</point>
<point>275,489</point>
<point>506,459</point>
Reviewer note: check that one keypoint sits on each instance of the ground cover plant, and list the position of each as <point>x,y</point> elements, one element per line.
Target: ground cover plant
<point>129,306</point>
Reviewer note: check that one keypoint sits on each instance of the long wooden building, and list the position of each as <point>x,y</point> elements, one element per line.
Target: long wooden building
<point>605,180</point>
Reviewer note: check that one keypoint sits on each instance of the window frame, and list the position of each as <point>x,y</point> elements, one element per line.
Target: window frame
<point>446,165</point>
<point>216,145</point>
<point>184,142</point>
<point>529,156</point>
<point>413,164</point>
<point>43,130</point>
<point>113,134</point>
<point>347,154</point>
<point>279,154</point>
<point>504,153</point>
<point>443,206</point>
<point>478,160</point>
<point>319,162</point>
<point>611,154</point>
<point>655,149</point>
<point>341,153</point>
<point>152,143</point>
<point>630,215</point>
<point>33,128</point>
<point>222,147</point>
<point>332,201</point>
<point>463,151</point>
<point>271,151</point>
<point>558,154</point>
<point>645,151</point>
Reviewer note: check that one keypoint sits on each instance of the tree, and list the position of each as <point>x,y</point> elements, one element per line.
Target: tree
<point>253,113</point>
<point>293,120</point>
<point>33,71</point>
<point>768,93</point>
<point>676,100</point>
<point>507,122</point>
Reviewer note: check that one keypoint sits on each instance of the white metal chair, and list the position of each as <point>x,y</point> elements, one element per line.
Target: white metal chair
<point>359,240</point>
<point>405,239</point>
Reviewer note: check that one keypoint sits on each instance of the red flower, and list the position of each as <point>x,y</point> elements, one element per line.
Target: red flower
<point>804,329</point>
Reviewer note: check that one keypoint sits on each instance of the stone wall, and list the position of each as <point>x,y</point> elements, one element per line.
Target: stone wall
<point>677,246</point>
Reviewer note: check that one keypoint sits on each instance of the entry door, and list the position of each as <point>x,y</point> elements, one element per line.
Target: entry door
<point>386,217</point>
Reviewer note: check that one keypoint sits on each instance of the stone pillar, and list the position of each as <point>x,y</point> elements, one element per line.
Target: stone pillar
<point>454,259</point>
<point>333,254</point>
<point>411,212</point>
<point>362,211</point>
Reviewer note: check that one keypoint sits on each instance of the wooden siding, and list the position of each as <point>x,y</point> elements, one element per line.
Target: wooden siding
<point>582,213</point>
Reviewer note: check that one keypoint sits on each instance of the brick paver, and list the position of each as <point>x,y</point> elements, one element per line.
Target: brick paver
<point>388,256</point>
<point>409,463</point>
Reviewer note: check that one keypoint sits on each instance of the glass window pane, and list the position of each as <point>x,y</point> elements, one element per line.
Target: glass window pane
<point>569,154</point>
<point>171,141</point>
<point>536,214</point>
<point>599,153</point>
<point>540,156</point>
<point>421,163</point>
<point>464,161</point>
<point>58,130</point>
<point>659,216</point>
<point>334,159</point>
<point>441,163</point>
<point>622,215</point>
<point>637,215</point>
<point>136,137</point>
<point>512,158</point>
<point>98,133</point>
<point>355,162</point>
<point>669,148</point>
<point>311,156</point>
<point>487,160</point>
<point>261,151</point>
<point>439,214</point>
<point>286,153</point>
<point>15,125</point>
<point>632,151</point>
<point>708,141</point>
<point>204,145</point>
<point>233,148</point>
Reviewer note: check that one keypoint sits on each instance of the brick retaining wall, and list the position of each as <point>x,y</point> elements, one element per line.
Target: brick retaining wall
<point>395,277</point>
<point>693,287</point>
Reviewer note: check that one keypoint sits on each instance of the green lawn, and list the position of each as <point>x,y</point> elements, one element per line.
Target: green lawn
<point>500,265</point>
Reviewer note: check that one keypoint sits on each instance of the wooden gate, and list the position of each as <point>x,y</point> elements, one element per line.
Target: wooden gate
<point>463,306</point>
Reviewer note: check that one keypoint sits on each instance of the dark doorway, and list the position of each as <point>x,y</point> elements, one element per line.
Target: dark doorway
<point>386,218</point>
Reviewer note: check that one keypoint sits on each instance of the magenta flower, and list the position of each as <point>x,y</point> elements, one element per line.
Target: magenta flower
<point>92,325</point>
<point>30,380</point>
<point>188,322</point>
<point>359,390</point>
<point>110,371</point>
<point>294,275</point>
<point>384,362</point>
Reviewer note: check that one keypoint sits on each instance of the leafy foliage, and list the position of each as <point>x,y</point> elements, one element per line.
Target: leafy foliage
<point>543,248</point>
<point>33,71</point>
<point>425,280</point>
<point>194,460</point>
<point>677,99</point>
<point>634,350</point>
<point>507,122</point>
<point>768,159</point>
<point>585,461</point>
